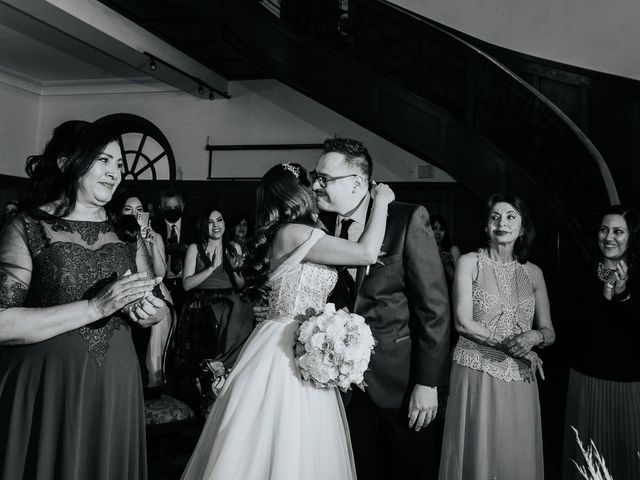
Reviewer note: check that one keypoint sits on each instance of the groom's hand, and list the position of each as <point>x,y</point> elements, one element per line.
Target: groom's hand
<point>423,406</point>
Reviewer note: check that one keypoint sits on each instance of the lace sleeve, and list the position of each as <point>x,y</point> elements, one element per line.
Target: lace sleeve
<point>15,263</point>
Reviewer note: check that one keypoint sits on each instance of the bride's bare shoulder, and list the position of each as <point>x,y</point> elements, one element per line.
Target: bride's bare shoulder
<point>290,237</point>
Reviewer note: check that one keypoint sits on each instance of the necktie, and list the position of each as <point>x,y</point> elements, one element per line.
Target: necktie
<point>175,262</point>
<point>344,273</point>
<point>173,236</point>
<point>344,229</point>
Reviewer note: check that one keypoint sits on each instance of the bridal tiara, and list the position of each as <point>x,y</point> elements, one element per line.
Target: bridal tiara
<point>292,168</point>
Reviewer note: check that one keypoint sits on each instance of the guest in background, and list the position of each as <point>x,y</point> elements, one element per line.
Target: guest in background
<point>239,231</point>
<point>177,232</point>
<point>603,398</point>
<point>492,426</point>
<point>209,276</point>
<point>449,253</point>
<point>132,203</point>
<point>70,402</point>
<point>131,220</point>
<point>10,209</point>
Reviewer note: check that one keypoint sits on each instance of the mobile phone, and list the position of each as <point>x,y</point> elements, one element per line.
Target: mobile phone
<point>143,219</point>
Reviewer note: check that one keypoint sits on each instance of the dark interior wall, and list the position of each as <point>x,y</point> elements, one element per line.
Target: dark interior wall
<point>605,107</point>
<point>451,200</point>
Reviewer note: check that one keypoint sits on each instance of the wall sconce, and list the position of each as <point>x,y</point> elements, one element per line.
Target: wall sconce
<point>211,95</point>
<point>200,89</point>
<point>153,65</point>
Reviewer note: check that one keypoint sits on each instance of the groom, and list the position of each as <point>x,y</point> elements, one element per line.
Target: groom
<point>403,298</point>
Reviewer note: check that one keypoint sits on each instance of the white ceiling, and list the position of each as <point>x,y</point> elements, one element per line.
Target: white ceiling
<point>35,52</point>
<point>65,46</point>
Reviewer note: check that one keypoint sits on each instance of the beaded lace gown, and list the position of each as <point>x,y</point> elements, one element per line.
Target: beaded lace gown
<point>71,406</point>
<point>267,422</point>
<point>492,427</point>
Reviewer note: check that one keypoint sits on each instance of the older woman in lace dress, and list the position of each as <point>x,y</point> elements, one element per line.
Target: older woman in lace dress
<point>492,426</point>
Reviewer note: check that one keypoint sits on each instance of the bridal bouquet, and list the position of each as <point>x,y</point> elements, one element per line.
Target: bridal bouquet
<point>333,348</point>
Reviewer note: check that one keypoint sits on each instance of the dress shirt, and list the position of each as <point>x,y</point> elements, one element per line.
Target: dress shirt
<point>359,218</point>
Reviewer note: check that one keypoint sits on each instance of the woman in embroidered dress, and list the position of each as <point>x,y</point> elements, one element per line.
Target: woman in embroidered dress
<point>603,398</point>
<point>70,391</point>
<point>501,309</point>
<point>267,422</point>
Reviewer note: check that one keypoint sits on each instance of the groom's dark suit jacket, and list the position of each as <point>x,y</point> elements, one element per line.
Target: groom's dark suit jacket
<point>404,300</point>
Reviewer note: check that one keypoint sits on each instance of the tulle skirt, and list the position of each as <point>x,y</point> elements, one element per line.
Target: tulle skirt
<point>492,429</point>
<point>608,413</point>
<point>269,424</point>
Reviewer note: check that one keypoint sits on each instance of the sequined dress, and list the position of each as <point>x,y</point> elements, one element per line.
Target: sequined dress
<point>71,406</point>
<point>492,425</point>
<point>267,422</point>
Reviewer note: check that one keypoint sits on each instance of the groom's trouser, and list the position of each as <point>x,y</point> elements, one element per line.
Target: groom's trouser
<point>384,446</point>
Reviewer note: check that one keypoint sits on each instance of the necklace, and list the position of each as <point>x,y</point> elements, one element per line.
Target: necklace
<point>605,274</point>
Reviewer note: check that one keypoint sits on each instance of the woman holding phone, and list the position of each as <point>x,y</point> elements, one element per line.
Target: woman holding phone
<point>130,205</point>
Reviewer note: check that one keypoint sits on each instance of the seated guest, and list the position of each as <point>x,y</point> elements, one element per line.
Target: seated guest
<point>209,276</point>
<point>603,398</point>
<point>70,292</point>
<point>492,426</point>
<point>131,220</point>
<point>239,231</point>
<point>177,232</point>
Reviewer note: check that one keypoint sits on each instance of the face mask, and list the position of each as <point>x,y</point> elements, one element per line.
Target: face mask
<point>172,215</point>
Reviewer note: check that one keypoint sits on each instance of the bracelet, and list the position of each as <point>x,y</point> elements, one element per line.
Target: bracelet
<point>543,339</point>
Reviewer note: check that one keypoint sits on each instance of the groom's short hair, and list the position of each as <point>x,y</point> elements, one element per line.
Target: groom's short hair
<point>355,153</point>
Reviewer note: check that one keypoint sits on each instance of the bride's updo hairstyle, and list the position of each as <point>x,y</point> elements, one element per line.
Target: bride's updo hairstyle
<point>284,196</point>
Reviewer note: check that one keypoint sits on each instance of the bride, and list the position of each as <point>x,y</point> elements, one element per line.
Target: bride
<point>267,422</point>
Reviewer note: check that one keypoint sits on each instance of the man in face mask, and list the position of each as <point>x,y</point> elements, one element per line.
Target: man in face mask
<point>178,232</point>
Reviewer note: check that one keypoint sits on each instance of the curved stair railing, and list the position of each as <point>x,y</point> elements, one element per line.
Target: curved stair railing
<point>420,86</point>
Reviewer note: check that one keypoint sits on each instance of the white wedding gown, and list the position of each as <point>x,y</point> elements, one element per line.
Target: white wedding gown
<point>267,422</point>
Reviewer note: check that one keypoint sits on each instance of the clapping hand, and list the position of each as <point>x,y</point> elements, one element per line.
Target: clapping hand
<point>618,283</point>
<point>121,292</point>
<point>235,259</point>
<point>145,311</point>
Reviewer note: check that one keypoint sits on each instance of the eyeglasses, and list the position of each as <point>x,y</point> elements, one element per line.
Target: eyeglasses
<point>324,179</point>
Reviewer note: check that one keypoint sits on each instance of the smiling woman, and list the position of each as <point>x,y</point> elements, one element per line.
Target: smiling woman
<point>209,276</point>
<point>70,292</point>
<point>604,380</point>
<point>501,312</point>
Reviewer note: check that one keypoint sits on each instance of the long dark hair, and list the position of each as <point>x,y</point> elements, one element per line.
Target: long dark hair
<point>126,226</point>
<point>446,240</point>
<point>284,196</point>
<point>202,228</point>
<point>46,181</point>
<point>77,155</point>
<point>527,231</point>
<point>633,224</point>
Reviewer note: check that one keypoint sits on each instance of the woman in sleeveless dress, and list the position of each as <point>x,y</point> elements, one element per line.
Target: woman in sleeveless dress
<point>70,391</point>
<point>267,422</point>
<point>209,275</point>
<point>492,426</point>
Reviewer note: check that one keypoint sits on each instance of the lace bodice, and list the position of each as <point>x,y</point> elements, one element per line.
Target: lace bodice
<point>504,302</point>
<point>298,286</point>
<point>47,261</point>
